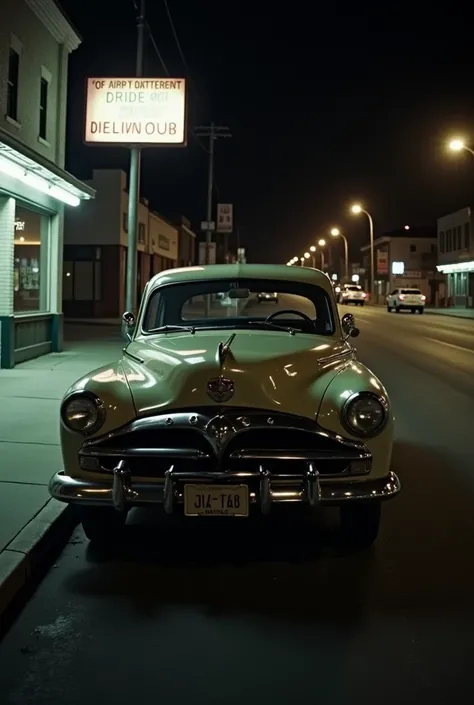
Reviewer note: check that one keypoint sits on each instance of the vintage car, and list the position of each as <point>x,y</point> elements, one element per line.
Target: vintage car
<point>229,411</point>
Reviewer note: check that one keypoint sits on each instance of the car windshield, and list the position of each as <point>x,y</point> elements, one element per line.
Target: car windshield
<point>411,291</point>
<point>353,288</point>
<point>240,304</point>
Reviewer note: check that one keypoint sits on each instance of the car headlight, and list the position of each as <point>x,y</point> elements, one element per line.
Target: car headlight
<point>83,412</point>
<point>364,414</point>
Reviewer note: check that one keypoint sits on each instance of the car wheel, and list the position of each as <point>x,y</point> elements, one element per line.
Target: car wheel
<point>360,523</point>
<point>397,309</point>
<point>413,310</point>
<point>362,303</point>
<point>389,309</point>
<point>421,310</point>
<point>102,525</point>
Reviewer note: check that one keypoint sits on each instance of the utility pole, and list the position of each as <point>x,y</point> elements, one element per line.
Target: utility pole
<point>134,184</point>
<point>213,132</point>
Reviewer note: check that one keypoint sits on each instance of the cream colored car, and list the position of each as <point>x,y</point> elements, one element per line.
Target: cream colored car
<point>213,413</point>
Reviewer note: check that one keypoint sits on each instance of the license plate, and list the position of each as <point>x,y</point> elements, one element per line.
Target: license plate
<point>216,500</point>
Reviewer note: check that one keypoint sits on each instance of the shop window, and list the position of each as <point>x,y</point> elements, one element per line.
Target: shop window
<point>141,233</point>
<point>125,222</point>
<point>31,258</point>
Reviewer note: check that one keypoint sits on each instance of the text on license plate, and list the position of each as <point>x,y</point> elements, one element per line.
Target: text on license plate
<point>216,500</point>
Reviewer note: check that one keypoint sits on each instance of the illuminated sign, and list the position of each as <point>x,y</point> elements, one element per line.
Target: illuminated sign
<point>398,267</point>
<point>136,111</point>
<point>19,224</point>
<point>355,277</point>
<point>458,267</point>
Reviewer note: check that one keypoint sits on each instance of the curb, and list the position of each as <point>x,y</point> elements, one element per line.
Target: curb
<point>28,554</point>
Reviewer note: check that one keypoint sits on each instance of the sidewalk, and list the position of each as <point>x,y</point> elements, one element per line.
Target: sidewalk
<point>31,523</point>
<point>453,311</point>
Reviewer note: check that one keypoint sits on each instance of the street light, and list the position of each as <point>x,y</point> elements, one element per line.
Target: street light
<point>457,145</point>
<point>307,255</point>
<point>322,243</point>
<point>335,232</point>
<point>356,209</point>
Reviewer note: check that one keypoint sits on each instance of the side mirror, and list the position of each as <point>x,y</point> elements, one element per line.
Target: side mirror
<point>349,327</point>
<point>129,321</point>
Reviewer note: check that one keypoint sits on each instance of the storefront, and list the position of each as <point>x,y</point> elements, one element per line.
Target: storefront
<point>459,283</point>
<point>33,195</point>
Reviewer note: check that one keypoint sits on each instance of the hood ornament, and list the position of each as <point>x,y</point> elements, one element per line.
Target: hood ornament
<point>223,349</point>
<point>220,389</point>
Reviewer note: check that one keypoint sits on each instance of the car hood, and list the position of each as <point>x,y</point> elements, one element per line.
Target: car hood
<point>270,370</point>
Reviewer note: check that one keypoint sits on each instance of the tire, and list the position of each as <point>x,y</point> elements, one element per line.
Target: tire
<point>413,310</point>
<point>389,309</point>
<point>361,303</point>
<point>397,309</point>
<point>102,525</point>
<point>421,311</point>
<point>360,523</point>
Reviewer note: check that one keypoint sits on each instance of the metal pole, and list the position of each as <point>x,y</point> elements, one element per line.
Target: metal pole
<point>322,261</point>
<point>210,184</point>
<point>372,265</point>
<point>134,184</point>
<point>346,258</point>
<point>314,261</point>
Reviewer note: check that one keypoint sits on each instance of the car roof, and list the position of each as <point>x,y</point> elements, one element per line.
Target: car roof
<point>280,272</point>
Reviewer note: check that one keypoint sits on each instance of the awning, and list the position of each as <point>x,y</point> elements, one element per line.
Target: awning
<point>461,267</point>
<point>19,161</point>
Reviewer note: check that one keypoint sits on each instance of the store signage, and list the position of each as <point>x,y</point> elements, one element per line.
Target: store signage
<point>136,111</point>
<point>225,217</point>
<point>398,267</point>
<point>208,225</point>
<point>382,262</point>
<point>163,242</point>
<point>19,224</point>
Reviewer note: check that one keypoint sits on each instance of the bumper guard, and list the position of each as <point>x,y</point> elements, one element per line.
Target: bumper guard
<point>311,489</point>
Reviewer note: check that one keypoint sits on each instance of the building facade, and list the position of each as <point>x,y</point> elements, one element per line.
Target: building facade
<point>35,42</point>
<point>96,249</point>
<point>186,243</point>
<point>404,258</point>
<point>456,257</point>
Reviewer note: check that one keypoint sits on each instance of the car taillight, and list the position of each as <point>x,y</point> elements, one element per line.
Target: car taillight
<point>364,295</point>
<point>401,296</point>
<point>423,298</point>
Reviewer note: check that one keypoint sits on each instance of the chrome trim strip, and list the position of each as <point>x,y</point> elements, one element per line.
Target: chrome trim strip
<point>219,428</point>
<point>68,489</point>
<point>183,453</point>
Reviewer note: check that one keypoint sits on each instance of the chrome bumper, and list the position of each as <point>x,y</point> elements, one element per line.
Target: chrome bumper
<point>312,489</point>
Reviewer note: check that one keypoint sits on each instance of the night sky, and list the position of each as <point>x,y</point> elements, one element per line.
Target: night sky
<point>325,107</point>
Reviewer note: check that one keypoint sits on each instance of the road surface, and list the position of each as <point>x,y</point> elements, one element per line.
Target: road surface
<point>271,614</point>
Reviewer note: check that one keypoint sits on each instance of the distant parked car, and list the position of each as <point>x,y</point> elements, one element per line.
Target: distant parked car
<point>406,300</point>
<point>267,296</point>
<point>352,294</point>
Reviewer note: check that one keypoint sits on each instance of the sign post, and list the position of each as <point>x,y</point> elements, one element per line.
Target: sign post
<point>135,113</point>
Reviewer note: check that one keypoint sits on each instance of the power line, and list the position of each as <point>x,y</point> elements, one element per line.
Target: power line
<point>181,53</point>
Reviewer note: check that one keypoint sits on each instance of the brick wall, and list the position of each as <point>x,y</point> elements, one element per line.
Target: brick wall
<point>7,224</point>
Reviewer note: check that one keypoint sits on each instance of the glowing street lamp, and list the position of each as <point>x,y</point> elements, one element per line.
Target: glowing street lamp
<point>356,209</point>
<point>312,248</point>
<point>458,145</point>
<point>307,255</point>
<point>335,232</point>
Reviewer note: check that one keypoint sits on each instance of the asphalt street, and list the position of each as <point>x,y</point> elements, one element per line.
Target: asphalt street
<point>276,612</point>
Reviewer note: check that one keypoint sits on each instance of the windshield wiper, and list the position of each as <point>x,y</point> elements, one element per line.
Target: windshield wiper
<point>271,326</point>
<point>172,329</point>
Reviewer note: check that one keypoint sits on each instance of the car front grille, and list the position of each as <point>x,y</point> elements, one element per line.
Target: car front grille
<point>236,441</point>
